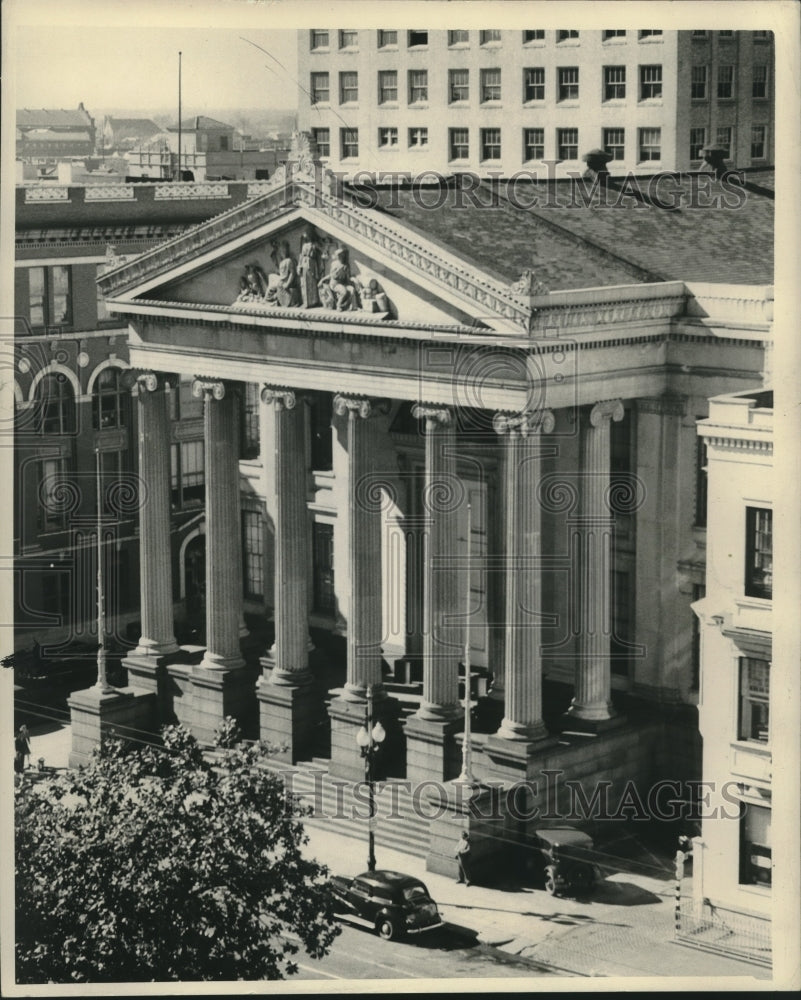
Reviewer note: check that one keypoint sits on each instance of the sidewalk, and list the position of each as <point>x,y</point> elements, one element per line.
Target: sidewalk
<point>625,929</point>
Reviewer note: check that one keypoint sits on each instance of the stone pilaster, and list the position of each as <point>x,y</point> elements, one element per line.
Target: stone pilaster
<point>592,695</point>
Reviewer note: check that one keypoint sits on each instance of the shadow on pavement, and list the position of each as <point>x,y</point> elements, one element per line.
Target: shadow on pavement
<point>450,937</point>
<point>624,894</point>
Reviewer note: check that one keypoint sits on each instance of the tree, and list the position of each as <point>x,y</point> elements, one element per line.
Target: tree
<point>164,863</point>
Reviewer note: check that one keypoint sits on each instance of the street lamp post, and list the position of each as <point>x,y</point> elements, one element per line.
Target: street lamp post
<point>370,737</point>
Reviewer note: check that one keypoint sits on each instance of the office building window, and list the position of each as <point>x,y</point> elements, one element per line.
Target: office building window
<point>37,296</point>
<point>614,83</point>
<point>322,442</point>
<point>348,88</point>
<point>387,137</point>
<point>324,595</point>
<point>564,36</point>
<point>319,39</point>
<point>416,38</point>
<point>418,138</point>
<point>387,39</point>
<point>489,37</point>
<point>250,444</point>
<point>754,700</point>
<point>51,510</point>
<point>699,34</point>
<point>534,83</point>
<point>490,85</point>
<point>697,143</point>
<point>348,39</point>
<point>606,35</point>
<point>567,143</point>
<point>458,38</point>
<point>110,400</point>
<point>723,139</point>
<point>759,552</point>
<point>615,142</point>
<point>538,35</point>
<point>533,143</point>
<point>388,86</point>
<point>755,845</point>
<point>650,33</point>
<point>62,295</point>
<point>701,476</point>
<point>759,81</point>
<point>418,86</point>
<point>568,77</point>
<point>650,82</point>
<point>459,143</point>
<point>319,88</point>
<point>758,143</point>
<point>698,83</point>
<point>187,474</point>
<point>458,85</point>
<point>650,144</point>
<point>55,405</point>
<point>348,143</point>
<point>252,553</point>
<point>50,296</point>
<point>725,34</point>
<point>490,144</point>
<point>761,36</point>
<point>102,312</point>
<point>322,138</point>
<point>725,83</point>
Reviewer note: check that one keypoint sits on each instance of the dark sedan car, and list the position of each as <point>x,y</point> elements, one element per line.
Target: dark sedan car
<point>388,902</point>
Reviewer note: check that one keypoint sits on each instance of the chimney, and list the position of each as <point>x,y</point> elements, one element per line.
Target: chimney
<point>714,156</point>
<point>596,161</point>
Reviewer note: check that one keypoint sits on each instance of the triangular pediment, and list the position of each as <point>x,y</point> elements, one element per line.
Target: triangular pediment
<point>318,254</point>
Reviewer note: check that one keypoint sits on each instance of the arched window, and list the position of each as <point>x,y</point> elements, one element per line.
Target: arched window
<point>55,405</point>
<point>110,400</point>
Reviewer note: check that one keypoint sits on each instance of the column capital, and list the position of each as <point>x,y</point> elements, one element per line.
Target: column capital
<point>208,388</point>
<point>359,406</point>
<point>281,397</point>
<point>432,413</point>
<point>141,381</point>
<point>525,424</point>
<point>606,409</point>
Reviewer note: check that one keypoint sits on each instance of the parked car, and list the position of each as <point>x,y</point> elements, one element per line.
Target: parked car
<point>568,859</point>
<point>388,902</point>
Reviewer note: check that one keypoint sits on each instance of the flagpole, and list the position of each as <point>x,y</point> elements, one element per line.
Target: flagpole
<point>179,116</point>
<point>466,777</point>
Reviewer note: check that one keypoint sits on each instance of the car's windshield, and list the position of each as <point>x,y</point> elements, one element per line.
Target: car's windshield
<point>415,893</point>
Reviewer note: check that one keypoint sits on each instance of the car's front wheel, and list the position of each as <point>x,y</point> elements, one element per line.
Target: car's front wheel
<point>550,880</point>
<point>386,928</point>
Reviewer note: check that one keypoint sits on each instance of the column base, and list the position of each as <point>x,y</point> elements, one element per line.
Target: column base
<point>513,761</point>
<point>95,715</point>
<point>432,753</point>
<point>592,718</point>
<point>519,733</point>
<point>288,715</point>
<point>347,717</point>
<point>218,691</point>
<point>147,674</point>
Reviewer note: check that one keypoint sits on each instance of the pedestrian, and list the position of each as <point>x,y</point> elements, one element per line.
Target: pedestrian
<point>22,749</point>
<point>463,857</point>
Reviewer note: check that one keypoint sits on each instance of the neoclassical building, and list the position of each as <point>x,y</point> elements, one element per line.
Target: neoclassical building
<point>413,376</point>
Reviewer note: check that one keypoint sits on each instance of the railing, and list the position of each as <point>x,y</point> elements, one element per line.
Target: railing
<point>165,192</point>
<point>110,192</point>
<point>47,193</point>
<point>715,928</point>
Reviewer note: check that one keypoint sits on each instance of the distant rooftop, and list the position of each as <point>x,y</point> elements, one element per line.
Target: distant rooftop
<point>53,117</point>
<point>199,123</point>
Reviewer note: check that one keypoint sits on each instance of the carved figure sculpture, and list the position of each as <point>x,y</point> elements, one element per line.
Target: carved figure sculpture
<point>337,291</point>
<point>286,293</point>
<point>310,269</point>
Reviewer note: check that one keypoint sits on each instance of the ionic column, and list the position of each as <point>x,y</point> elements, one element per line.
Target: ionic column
<point>364,553</point>
<point>155,567</point>
<point>290,652</point>
<point>592,695</point>
<point>441,494</point>
<point>223,533</point>
<point>521,466</point>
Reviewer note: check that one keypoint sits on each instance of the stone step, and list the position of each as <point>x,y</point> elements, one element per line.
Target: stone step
<point>394,800</point>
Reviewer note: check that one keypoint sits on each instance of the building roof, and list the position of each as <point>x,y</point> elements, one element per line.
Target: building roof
<point>48,135</point>
<point>133,128</point>
<point>53,117</point>
<point>569,244</point>
<point>199,123</point>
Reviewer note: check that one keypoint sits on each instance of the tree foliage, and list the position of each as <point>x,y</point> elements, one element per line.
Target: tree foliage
<point>162,864</point>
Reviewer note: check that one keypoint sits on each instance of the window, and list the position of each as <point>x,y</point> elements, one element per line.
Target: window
<point>322,138</point>
<point>416,38</point>
<point>187,474</point>
<point>758,135</point>
<point>387,39</point>
<point>725,83</point>
<point>37,296</point>
<point>348,143</point>
<point>459,144</point>
<point>490,85</point>
<point>62,295</point>
<point>699,34</point>
<point>723,139</point>
<point>534,84</point>
<point>568,83</point>
<point>533,36</point>
<point>348,39</point>
<point>322,444</point>
<point>110,400</point>
<point>252,553</point>
<point>387,137</point>
<point>755,845</point>
<point>489,37</point>
<point>563,36</point>
<point>650,144</point>
<point>725,34</point>
<point>649,33</point>
<point>323,568</point>
<point>613,34</point>
<point>758,552</point>
<point>319,39</point>
<point>533,143</point>
<point>761,36</point>
<point>701,477</point>
<point>650,82</point>
<point>388,86</point>
<point>458,38</point>
<point>50,296</point>
<point>567,143</point>
<point>224,143</point>
<point>698,83</point>
<point>614,83</point>
<point>615,142</point>
<point>418,138</point>
<point>490,144</point>
<point>699,591</point>
<point>697,143</point>
<point>55,405</point>
<point>458,85</point>
<point>754,699</point>
<point>52,513</point>
<point>418,86</point>
<point>319,88</point>
<point>348,88</point>
<point>759,81</point>
<point>249,447</point>
<point>102,312</point>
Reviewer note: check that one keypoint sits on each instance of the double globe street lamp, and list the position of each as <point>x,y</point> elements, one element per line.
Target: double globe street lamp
<point>369,738</point>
